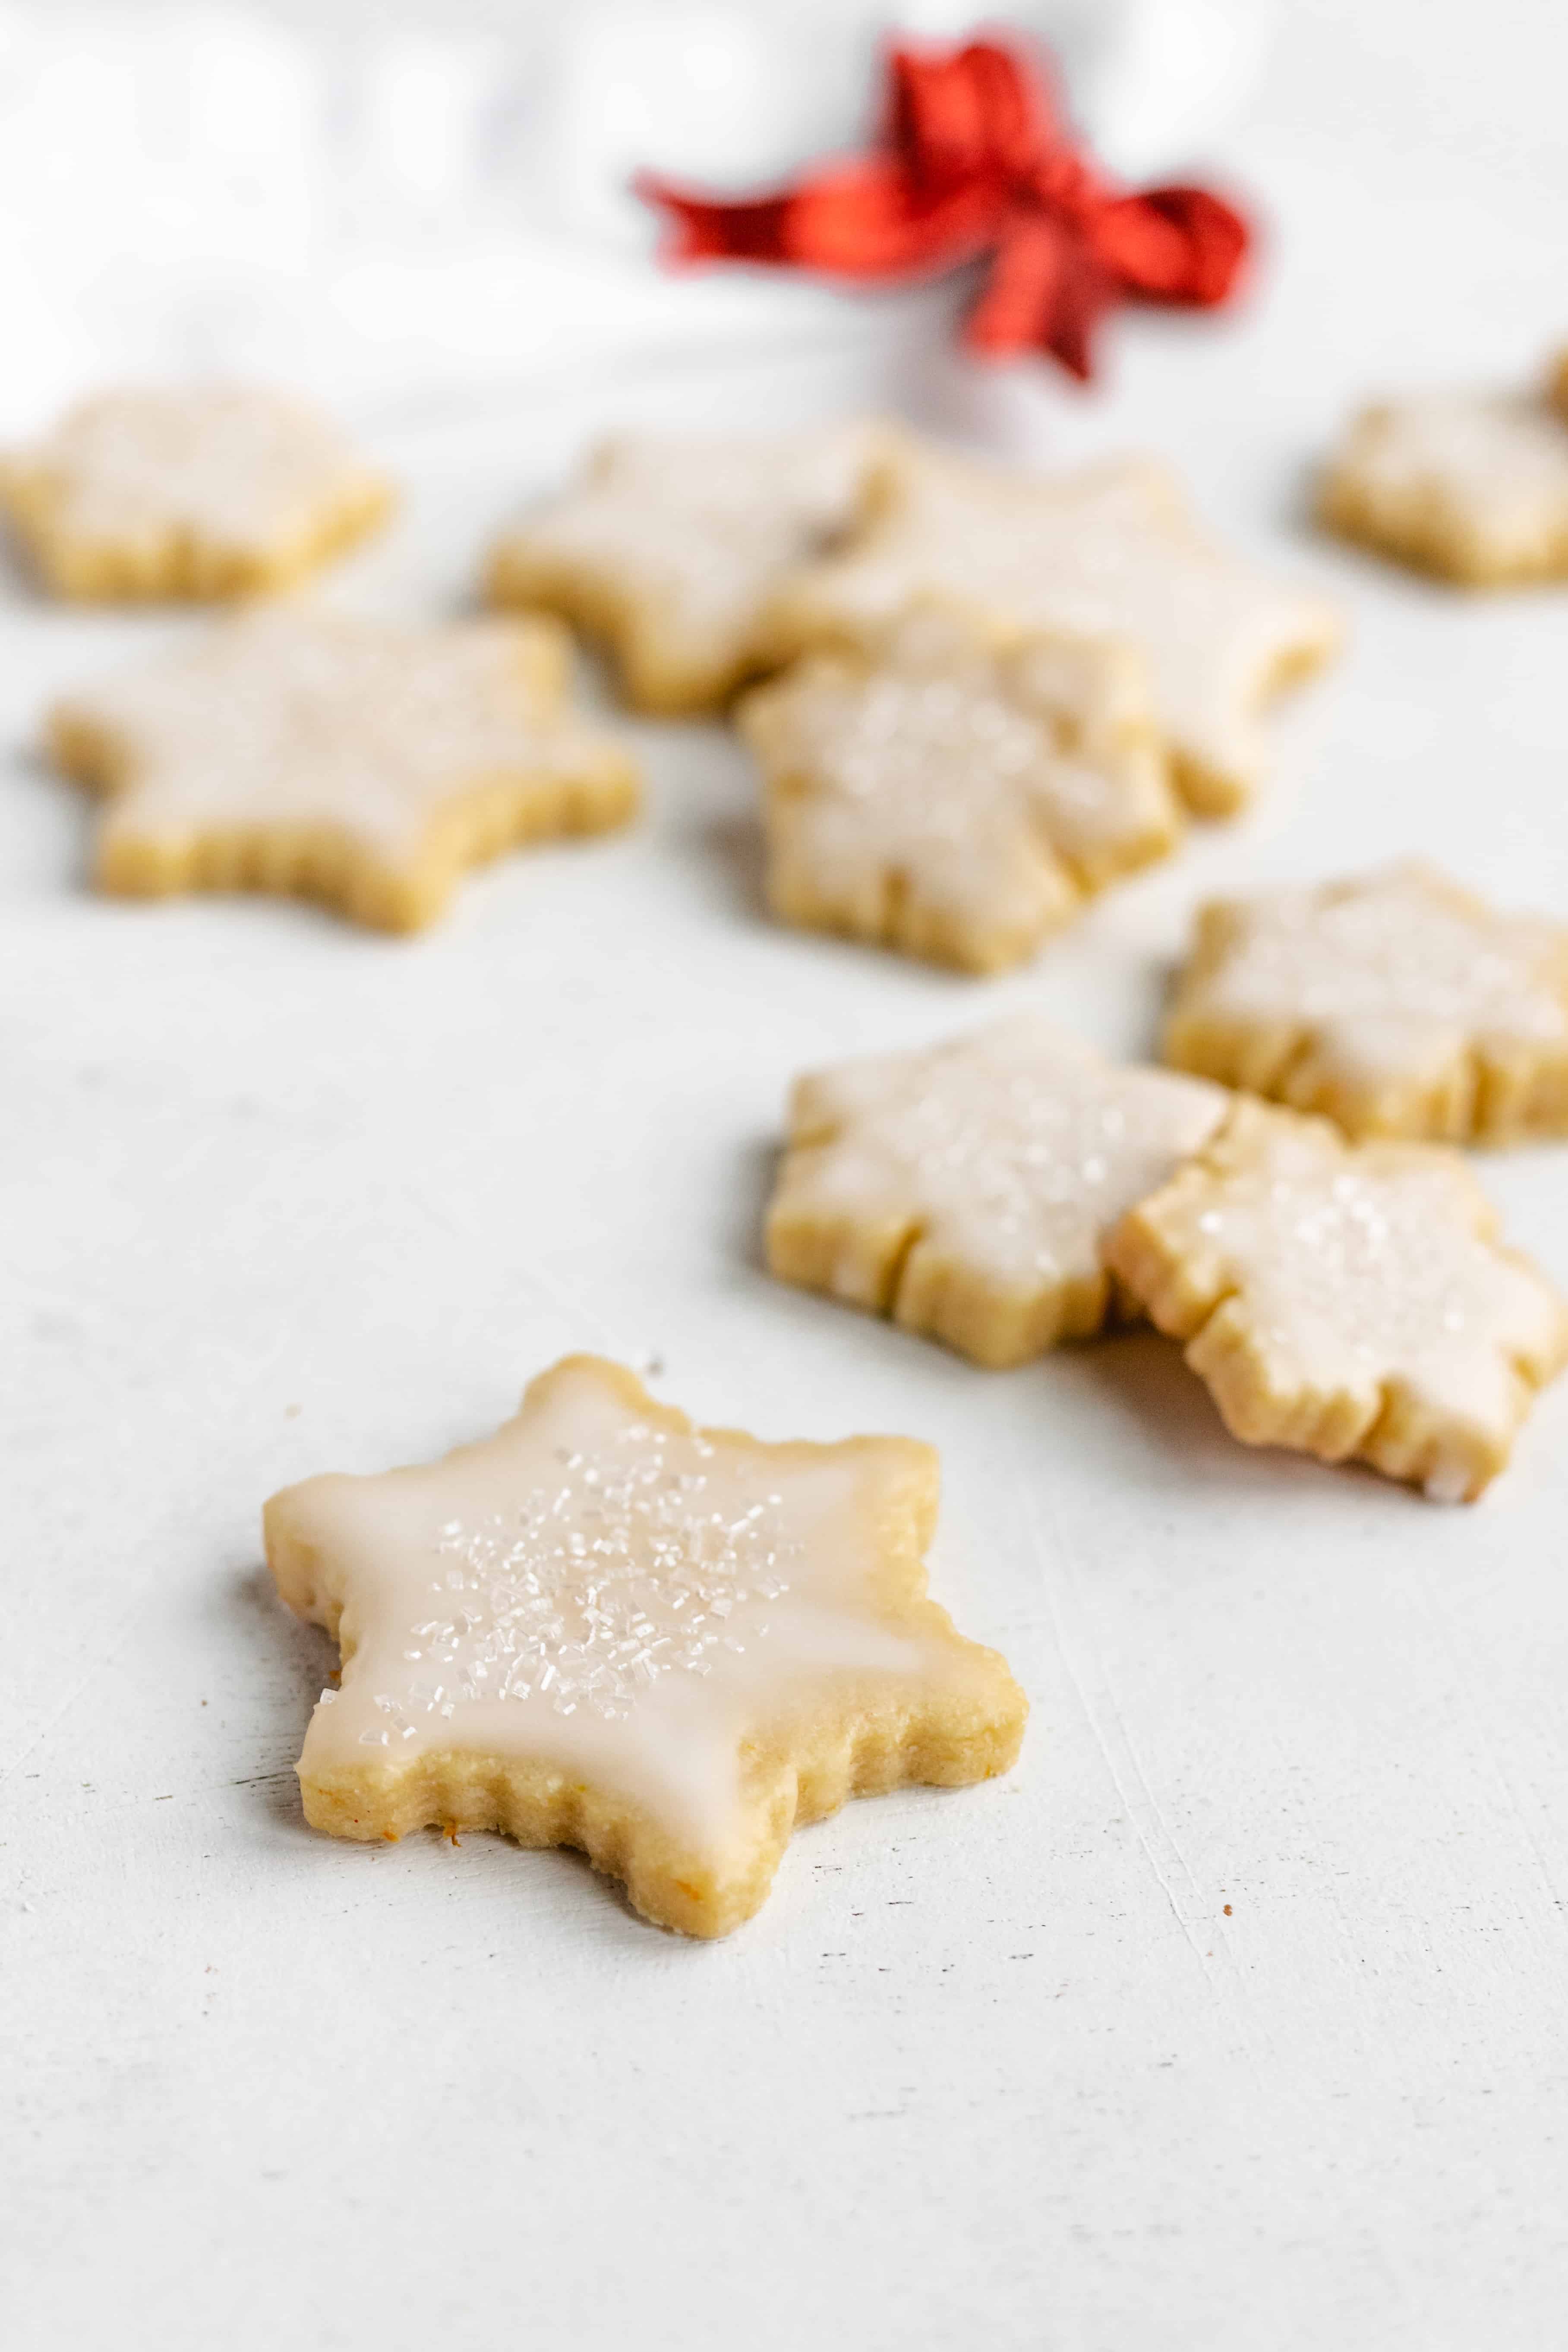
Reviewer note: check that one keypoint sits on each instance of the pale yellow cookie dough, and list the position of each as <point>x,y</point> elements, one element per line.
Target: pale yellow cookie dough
<point>1470,485</point>
<point>605,1627</point>
<point>1108,552</point>
<point>952,802</point>
<point>964,1189</point>
<point>667,550</point>
<point>1348,1300</point>
<point>213,492</point>
<point>1397,1002</point>
<point>362,763</point>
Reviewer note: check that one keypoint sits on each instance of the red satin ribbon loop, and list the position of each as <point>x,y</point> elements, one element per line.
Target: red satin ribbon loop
<point>974,158</point>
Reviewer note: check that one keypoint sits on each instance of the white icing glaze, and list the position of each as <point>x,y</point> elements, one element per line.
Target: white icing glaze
<point>591,1589</point>
<point>238,468</point>
<point>290,714</point>
<point>968,773</point>
<point>1357,1265</point>
<point>699,527</point>
<point>1107,554</point>
<point>1394,973</point>
<point>1018,1147</point>
<point>1496,463</point>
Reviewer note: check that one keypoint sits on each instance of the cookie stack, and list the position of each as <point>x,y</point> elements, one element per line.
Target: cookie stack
<point>999,692</point>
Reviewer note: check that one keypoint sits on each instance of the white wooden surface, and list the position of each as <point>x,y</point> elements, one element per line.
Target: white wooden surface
<point>1236,2016</point>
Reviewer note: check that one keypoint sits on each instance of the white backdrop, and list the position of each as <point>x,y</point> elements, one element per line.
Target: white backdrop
<point>1234,2020</point>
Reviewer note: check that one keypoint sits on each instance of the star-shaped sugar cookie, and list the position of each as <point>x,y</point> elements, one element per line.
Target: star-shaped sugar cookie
<point>1346,1299</point>
<point>964,1189</point>
<point>605,1628</point>
<point>359,762</point>
<point>1470,485</point>
<point>667,551</point>
<point>953,802</point>
<point>1108,552</point>
<point>1397,1002</point>
<point>214,491</point>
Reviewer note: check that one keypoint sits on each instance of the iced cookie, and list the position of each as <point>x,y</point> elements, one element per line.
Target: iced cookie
<point>1346,1299</point>
<point>965,1191</point>
<point>1472,485</point>
<point>667,551</point>
<point>955,803</point>
<point>1397,1002</point>
<point>210,492</point>
<point>1109,553</point>
<point>605,1628</point>
<point>353,762</point>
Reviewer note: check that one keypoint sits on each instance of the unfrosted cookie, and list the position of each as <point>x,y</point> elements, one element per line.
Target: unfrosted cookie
<point>1397,1003</point>
<point>602,1627</point>
<point>1346,1299</point>
<point>1108,552</point>
<point>1472,485</point>
<point>350,761</point>
<point>669,548</point>
<point>964,1189</point>
<point>955,803</point>
<point>213,492</point>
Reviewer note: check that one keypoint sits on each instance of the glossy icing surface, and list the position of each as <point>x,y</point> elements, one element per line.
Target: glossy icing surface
<point>597,1590</point>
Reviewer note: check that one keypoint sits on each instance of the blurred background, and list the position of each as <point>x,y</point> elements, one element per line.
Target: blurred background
<point>387,201</point>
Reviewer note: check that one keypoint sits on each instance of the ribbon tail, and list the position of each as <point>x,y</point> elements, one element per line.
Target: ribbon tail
<point>1046,292</point>
<point>857,220</point>
<point>700,229</point>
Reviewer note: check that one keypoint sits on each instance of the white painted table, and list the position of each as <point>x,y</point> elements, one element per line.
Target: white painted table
<point>1235,2018</point>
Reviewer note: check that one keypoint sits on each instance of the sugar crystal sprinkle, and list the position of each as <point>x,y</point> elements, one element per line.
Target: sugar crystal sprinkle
<point>1031,1142</point>
<point>625,1571</point>
<point>1391,946</point>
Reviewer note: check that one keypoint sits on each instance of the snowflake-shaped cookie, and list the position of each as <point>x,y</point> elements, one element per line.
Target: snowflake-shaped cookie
<point>954,803</point>
<point>355,761</point>
<point>670,548</point>
<point>1109,553</point>
<point>964,1189</point>
<point>1472,485</point>
<point>210,492</point>
<point>1347,1299</point>
<point>1397,1002</point>
<point>605,1627</point>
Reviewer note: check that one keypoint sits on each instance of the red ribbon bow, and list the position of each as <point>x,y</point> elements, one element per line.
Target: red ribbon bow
<point>974,157</point>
